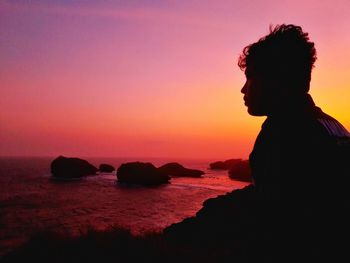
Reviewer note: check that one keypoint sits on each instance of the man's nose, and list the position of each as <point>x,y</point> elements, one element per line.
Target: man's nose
<point>244,88</point>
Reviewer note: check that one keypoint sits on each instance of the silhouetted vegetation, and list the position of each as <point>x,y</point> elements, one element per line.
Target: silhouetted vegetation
<point>113,245</point>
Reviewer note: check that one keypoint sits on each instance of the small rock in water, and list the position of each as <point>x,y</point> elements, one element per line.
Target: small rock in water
<point>224,165</point>
<point>106,168</point>
<point>175,169</point>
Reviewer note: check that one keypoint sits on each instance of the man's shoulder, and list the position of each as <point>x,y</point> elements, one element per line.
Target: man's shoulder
<point>314,126</point>
<point>331,126</point>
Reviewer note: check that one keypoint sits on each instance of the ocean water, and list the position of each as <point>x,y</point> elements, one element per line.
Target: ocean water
<point>31,201</point>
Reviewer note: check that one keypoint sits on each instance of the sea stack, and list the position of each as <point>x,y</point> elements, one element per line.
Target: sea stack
<point>141,173</point>
<point>241,172</point>
<point>67,168</point>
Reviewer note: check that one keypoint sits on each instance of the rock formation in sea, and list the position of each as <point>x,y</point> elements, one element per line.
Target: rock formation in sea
<point>141,173</point>
<point>106,168</point>
<point>241,171</point>
<point>176,169</point>
<point>224,165</point>
<point>66,168</point>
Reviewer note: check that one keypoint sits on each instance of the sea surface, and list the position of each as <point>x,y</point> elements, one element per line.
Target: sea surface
<point>31,201</point>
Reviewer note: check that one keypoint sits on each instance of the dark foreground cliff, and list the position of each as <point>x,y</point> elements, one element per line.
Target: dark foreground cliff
<point>236,227</point>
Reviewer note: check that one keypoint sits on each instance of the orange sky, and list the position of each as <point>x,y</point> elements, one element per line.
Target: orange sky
<point>150,78</point>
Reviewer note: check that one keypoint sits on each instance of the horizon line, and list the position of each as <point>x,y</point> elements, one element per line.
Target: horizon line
<point>122,157</point>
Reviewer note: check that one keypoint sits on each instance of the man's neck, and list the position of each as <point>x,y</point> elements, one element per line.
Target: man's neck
<point>296,104</point>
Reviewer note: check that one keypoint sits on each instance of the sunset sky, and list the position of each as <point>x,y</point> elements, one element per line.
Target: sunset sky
<point>150,78</point>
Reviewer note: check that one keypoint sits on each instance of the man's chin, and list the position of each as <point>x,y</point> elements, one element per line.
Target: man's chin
<point>256,112</point>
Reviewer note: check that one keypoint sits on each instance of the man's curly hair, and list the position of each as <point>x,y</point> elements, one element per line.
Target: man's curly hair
<point>285,54</point>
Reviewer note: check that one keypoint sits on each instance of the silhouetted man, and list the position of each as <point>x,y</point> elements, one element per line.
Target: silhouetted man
<point>300,156</point>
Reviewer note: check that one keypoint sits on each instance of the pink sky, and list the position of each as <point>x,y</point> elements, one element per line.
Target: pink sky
<point>150,78</point>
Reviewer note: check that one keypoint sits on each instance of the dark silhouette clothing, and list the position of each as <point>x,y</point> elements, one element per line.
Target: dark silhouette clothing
<point>300,151</point>
<point>299,166</point>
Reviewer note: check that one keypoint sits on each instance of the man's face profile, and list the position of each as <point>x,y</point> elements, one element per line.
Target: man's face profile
<point>253,91</point>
